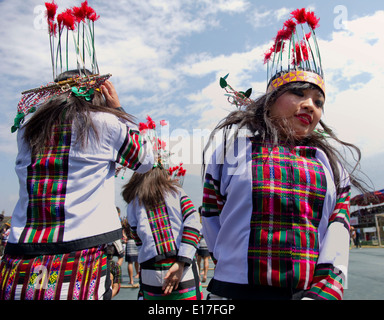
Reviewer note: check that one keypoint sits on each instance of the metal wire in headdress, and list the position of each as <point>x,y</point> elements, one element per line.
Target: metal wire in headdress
<point>302,60</point>
<point>236,98</point>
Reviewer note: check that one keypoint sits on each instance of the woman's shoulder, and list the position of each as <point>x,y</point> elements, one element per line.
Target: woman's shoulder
<point>112,121</point>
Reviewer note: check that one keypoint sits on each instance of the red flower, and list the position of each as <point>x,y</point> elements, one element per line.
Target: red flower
<point>93,16</point>
<point>290,25</point>
<point>300,53</point>
<point>304,50</point>
<point>312,20</point>
<point>66,19</point>
<point>142,127</point>
<point>163,123</point>
<point>283,34</point>
<point>151,124</point>
<point>51,10</point>
<point>300,15</point>
<point>60,19</point>
<point>277,47</point>
<point>89,12</point>
<point>181,172</point>
<point>268,55</point>
<point>79,13</point>
<point>308,35</point>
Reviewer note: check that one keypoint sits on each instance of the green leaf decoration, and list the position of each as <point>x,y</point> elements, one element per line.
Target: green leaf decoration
<point>248,92</point>
<point>223,83</point>
<point>18,120</point>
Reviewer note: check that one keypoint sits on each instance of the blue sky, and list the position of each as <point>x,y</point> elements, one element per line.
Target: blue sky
<point>166,58</point>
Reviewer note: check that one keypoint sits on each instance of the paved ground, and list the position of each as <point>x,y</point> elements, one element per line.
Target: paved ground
<point>366,274</point>
<point>366,277</point>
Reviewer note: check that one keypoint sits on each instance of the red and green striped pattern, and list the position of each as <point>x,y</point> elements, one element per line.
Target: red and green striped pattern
<point>187,207</point>
<point>47,183</point>
<point>329,285</point>
<point>190,236</point>
<point>131,150</point>
<point>71,276</point>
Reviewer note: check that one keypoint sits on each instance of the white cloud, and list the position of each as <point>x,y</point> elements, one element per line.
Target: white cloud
<point>261,17</point>
<point>354,71</point>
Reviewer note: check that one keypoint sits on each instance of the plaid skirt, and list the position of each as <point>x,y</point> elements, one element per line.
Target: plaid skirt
<point>79,275</point>
<point>151,282</point>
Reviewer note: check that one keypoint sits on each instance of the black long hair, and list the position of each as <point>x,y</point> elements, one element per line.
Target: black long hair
<point>149,188</point>
<point>256,118</point>
<point>65,109</point>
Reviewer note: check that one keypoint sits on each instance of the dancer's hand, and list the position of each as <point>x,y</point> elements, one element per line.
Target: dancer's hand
<point>110,94</point>
<point>173,277</point>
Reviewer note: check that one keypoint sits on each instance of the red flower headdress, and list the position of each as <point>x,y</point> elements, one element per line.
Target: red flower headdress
<point>302,60</point>
<point>159,147</point>
<point>80,22</point>
<point>177,173</point>
<point>148,130</point>
<point>294,56</point>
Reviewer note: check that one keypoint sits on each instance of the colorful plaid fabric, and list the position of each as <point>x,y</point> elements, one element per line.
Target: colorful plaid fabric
<point>289,188</point>
<point>161,229</point>
<point>46,184</point>
<point>328,283</point>
<point>79,275</point>
<point>212,199</point>
<point>131,151</point>
<point>328,280</point>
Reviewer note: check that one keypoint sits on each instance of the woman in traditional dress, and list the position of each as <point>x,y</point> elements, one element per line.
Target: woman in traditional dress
<point>276,193</point>
<point>166,227</point>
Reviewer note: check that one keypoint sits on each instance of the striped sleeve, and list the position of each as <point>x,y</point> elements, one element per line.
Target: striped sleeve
<point>191,230</point>
<point>330,275</point>
<point>134,152</point>
<point>213,203</point>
